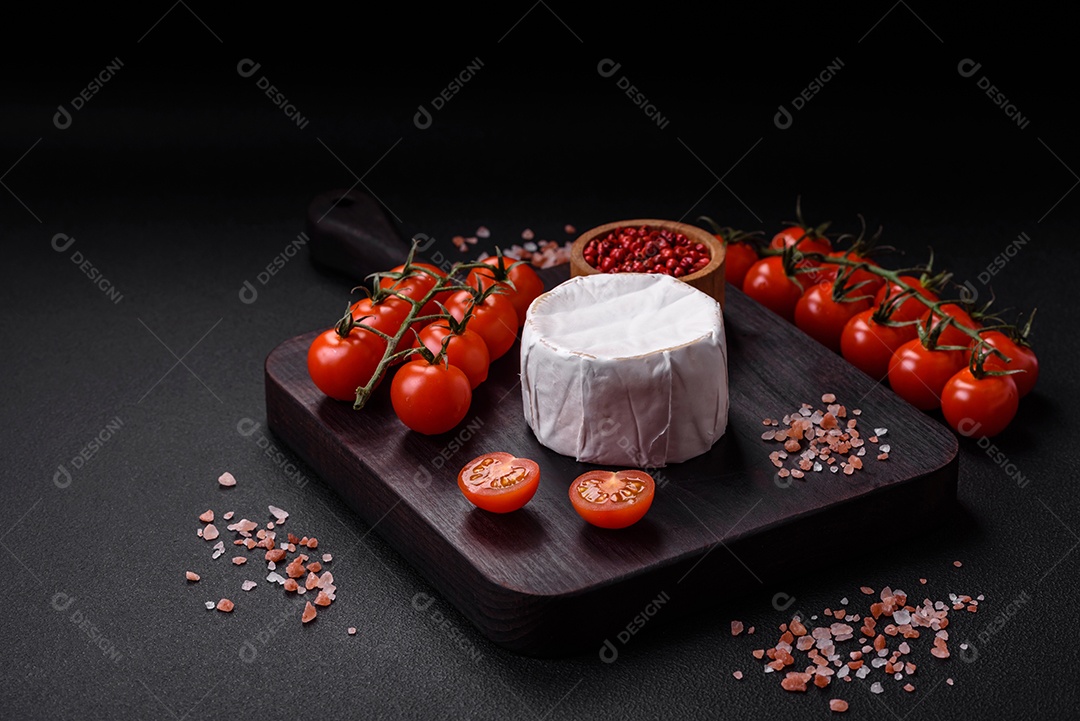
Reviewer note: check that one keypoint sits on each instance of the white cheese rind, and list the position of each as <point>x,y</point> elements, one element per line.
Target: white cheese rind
<point>625,369</point>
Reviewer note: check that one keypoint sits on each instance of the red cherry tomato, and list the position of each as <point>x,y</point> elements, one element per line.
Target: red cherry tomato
<point>611,499</point>
<point>768,284</point>
<point>387,316</point>
<point>863,281</point>
<point>738,258</point>
<point>910,308</point>
<point>822,318</point>
<point>421,279</point>
<point>1021,357</point>
<point>951,334</point>
<point>803,239</point>
<point>979,407</point>
<point>869,345</point>
<point>465,350</point>
<point>338,366</point>
<point>918,375</point>
<point>499,482</point>
<point>428,398</point>
<point>527,284</point>
<point>494,320</point>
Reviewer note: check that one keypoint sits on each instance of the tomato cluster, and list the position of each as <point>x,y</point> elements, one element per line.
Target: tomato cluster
<point>934,352</point>
<point>500,482</point>
<point>445,334</point>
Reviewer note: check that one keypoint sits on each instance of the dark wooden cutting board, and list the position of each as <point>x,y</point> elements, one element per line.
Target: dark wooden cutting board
<point>541,581</point>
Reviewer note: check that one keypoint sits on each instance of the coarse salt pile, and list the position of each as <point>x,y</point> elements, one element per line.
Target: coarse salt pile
<point>274,551</point>
<point>847,646</point>
<point>816,439</point>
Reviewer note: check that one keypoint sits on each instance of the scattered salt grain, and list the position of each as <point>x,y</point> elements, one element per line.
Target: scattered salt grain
<point>352,630</point>
<point>210,532</point>
<point>226,480</point>
<point>248,585</point>
<point>207,516</point>
<point>327,558</point>
<point>225,605</point>
<point>209,605</point>
<point>309,613</point>
<point>737,674</point>
<point>958,564</point>
<point>736,628</point>
<point>876,687</point>
<point>278,514</point>
<point>838,705</point>
<point>192,576</point>
<point>527,234</point>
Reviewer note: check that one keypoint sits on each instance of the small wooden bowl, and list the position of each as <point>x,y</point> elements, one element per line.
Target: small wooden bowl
<point>709,279</point>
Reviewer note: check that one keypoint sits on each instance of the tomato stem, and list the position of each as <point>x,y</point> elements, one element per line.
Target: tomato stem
<point>449,283</point>
<point>792,256</point>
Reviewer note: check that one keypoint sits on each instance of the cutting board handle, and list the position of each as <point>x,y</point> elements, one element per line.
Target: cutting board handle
<point>348,232</point>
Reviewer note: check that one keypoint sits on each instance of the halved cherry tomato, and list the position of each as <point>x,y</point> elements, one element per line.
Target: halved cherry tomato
<point>495,320</point>
<point>612,499</point>
<point>465,350</point>
<point>910,308</point>
<point>869,345</point>
<point>429,398</point>
<point>338,366</point>
<point>951,334</point>
<point>1021,357</point>
<point>918,375</point>
<point>499,482</point>
<point>980,407</point>
<point>422,278</point>
<point>527,284</point>
<point>768,284</point>
<point>823,318</point>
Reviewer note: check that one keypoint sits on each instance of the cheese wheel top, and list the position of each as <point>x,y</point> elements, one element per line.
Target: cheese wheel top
<point>623,315</point>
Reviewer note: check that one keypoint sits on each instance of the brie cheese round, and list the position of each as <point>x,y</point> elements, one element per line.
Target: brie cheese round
<point>626,369</point>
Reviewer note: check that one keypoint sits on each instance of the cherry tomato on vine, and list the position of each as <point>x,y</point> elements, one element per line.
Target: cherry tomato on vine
<point>338,366</point>
<point>768,284</point>
<point>1021,357</point>
<point>499,482</point>
<point>869,345</point>
<point>465,350</point>
<point>918,374</point>
<point>910,308</point>
<point>423,277</point>
<point>526,283</point>
<point>430,398</point>
<point>738,258</point>
<point>386,315</point>
<point>804,239</point>
<point>494,320</point>
<point>979,407</point>
<point>822,317</point>
<point>868,283</point>
<point>611,499</point>
<point>951,334</point>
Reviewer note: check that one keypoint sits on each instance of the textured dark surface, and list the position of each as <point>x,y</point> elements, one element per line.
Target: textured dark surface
<point>180,180</point>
